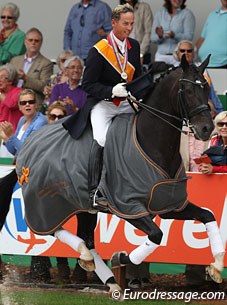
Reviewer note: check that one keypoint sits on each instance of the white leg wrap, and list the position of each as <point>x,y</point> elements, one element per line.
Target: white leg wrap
<point>101,269</point>
<point>68,238</point>
<point>219,261</point>
<point>138,255</point>
<point>214,235</point>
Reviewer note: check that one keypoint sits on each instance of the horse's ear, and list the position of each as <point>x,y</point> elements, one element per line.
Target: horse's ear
<point>184,63</point>
<point>204,64</point>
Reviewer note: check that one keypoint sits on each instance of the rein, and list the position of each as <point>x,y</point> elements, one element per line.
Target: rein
<point>186,115</point>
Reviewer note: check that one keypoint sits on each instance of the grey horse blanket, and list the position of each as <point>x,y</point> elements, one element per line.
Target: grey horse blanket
<point>53,168</point>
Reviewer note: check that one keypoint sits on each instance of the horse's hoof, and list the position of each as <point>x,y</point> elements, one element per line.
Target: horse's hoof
<point>85,253</point>
<point>113,287</point>
<point>115,260</point>
<point>214,273</point>
<point>115,292</point>
<point>87,265</point>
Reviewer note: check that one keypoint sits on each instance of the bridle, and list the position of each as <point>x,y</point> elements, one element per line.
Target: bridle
<point>185,113</point>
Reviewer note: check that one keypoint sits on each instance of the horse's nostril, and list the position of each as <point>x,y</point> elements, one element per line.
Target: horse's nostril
<point>205,129</point>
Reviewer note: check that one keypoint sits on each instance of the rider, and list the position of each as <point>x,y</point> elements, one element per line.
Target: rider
<point>111,63</point>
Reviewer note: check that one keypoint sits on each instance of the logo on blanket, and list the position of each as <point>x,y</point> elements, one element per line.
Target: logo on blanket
<point>24,176</point>
<point>16,230</point>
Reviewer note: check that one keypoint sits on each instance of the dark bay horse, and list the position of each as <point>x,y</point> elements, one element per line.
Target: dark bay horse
<point>142,176</point>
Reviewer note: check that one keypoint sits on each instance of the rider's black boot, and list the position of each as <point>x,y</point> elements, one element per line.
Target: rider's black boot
<point>97,201</point>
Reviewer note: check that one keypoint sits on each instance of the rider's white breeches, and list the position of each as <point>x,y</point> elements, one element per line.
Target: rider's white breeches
<point>102,115</point>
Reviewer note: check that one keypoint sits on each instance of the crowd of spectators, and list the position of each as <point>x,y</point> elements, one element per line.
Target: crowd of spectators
<point>29,90</point>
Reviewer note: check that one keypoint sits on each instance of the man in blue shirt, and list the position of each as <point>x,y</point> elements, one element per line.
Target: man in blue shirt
<point>213,38</point>
<point>88,22</point>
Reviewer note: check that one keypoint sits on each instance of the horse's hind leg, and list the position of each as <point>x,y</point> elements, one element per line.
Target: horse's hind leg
<point>207,218</point>
<point>78,245</point>
<point>86,227</point>
<point>151,243</point>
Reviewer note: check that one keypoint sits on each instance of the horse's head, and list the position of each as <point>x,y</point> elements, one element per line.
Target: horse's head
<point>193,98</point>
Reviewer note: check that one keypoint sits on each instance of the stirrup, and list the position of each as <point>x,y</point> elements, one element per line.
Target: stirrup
<point>98,202</point>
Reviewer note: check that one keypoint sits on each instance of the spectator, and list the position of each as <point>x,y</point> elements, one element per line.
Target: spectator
<point>11,37</point>
<point>142,27</point>
<point>59,77</point>
<point>186,47</point>
<point>217,148</point>
<point>34,70</point>
<point>31,121</point>
<point>70,91</point>
<point>172,23</point>
<point>213,38</point>
<point>56,111</point>
<point>9,110</point>
<point>87,23</point>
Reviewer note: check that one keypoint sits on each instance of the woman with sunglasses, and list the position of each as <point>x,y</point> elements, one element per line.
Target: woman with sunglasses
<point>31,121</point>
<point>217,148</point>
<point>56,111</point>
<point>11,37</point>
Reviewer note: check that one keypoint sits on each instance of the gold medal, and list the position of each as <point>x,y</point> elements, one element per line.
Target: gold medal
<point>124,75</point>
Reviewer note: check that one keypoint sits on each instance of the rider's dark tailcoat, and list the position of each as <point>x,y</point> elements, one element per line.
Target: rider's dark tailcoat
<point>98,81</point>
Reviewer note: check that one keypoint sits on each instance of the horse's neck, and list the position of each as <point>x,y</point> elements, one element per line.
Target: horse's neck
<point>159,140</point>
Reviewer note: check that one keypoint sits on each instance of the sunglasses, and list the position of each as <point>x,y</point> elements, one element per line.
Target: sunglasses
<point>186,50</point>
<point>53,117</point>
<point>222,124</point>
<point>7,17</point>
<point>30,102</point>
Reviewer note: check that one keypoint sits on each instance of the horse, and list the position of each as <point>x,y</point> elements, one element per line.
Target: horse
<point>143,173</point>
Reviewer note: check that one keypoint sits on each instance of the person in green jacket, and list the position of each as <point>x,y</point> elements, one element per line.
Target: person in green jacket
<point>11,37</point>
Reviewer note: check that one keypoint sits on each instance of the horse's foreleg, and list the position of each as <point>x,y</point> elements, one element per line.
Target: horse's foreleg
<point>217,249</point>
<point>104,272</point>
<point>192,212</point>
<point>86,258</point>
<point>151,243</point>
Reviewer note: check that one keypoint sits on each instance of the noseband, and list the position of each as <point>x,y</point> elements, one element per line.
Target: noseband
<point>185,113</point>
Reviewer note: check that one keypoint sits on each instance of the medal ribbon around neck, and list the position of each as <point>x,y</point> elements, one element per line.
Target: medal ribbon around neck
<point>117,55</point>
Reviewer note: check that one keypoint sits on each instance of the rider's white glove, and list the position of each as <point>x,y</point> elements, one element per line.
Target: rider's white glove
<point>120,90</point>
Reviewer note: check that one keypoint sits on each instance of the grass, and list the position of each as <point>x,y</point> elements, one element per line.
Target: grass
<point>71,298</point>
